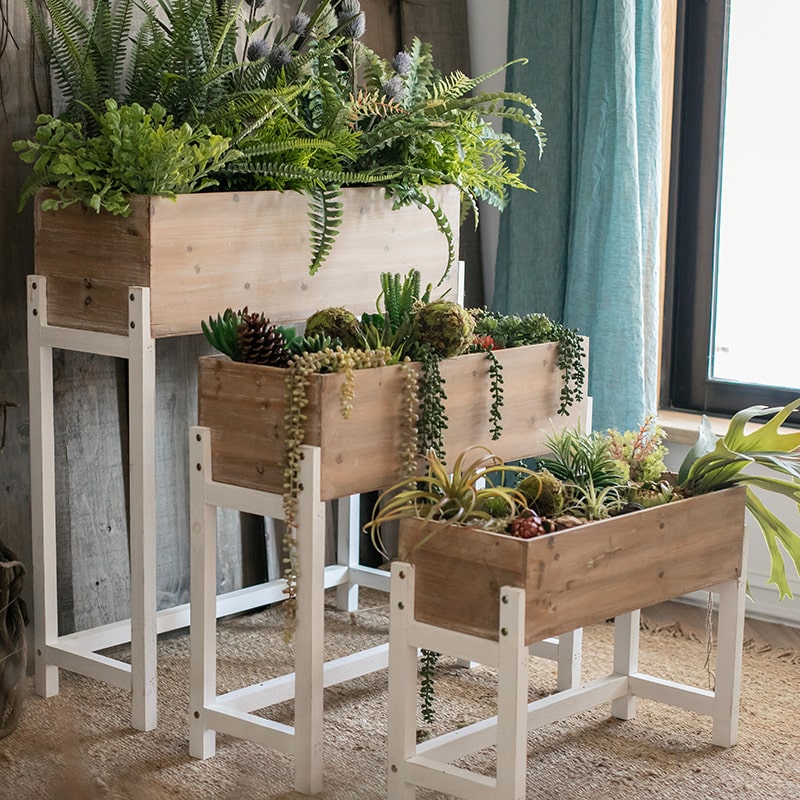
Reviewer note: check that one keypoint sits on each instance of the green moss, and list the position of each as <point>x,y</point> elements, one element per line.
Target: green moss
<point>335,322</point>
<point>447,328</point>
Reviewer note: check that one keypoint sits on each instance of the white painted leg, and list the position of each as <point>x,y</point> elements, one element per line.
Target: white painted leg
<point>142,412</point>
<point>570,650</point>
<point>402,726</point>
<point>309,634</point>
<point>203,605</point>
<point>626,660</point>
<point>512,696</point>
<point>348,536</point>
<point>725,729</point>
<point>43,483</point>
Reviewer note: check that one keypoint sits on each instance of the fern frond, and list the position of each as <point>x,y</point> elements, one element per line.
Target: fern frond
<point>320,177</point>
<point>421,74</point>
<point>325,213</point>
<point>371,104</point>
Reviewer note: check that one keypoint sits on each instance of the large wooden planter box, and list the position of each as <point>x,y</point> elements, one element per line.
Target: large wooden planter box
<point>575,577</point>
<point>244,407</point>
<point>205,252</point>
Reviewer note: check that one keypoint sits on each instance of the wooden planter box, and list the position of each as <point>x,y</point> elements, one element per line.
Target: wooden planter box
<point>575,577</point>
<point>244,407</point>
<point>205,252</point>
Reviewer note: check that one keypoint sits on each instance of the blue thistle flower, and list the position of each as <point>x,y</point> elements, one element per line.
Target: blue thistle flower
<point>394,88</point>
<point>357,25</point>
<point>298,24</point>
<point>257,49</point>
<point>402,63</point>
<point>280,56</point>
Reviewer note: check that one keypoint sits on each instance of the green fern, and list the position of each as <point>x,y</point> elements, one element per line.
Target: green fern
<point>325,213</point>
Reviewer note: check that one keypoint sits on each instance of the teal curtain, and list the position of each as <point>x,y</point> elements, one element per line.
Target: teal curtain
<point>584,248</point>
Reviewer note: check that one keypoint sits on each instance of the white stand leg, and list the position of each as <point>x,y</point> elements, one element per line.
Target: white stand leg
<point>729,663</point>
<point>203,572</point>
<point>43,510</point>
<point>570,650</point>
<point>142,413</point>
<point>626,660</point>
<point>402,726</point>
<point>309,635</point>
<point>347,549</point>
<point>512,694</point>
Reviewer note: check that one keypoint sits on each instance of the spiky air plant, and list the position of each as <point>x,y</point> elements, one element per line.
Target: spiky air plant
<point>719,462</point>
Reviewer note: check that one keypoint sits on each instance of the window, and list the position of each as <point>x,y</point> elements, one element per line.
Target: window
<point>734,269</point>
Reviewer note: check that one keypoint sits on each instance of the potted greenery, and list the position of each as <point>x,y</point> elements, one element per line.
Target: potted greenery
<point>623,535</point>
<point>180,171</point>
<point>377,391</point>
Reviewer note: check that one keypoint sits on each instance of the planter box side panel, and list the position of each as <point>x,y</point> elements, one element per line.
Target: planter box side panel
<point>90,260</point>
<point>204,252</point>
<point>578,577</point>
<point>252,249</point>
<point>244,406</point>
<point>459,573</point>
<point>531,398</point>
<point>600,570</point>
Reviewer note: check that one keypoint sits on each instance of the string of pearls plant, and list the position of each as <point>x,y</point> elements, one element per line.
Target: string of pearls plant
<point>298,379</point>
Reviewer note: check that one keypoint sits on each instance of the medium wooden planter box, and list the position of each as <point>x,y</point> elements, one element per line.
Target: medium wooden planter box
<point>575,577</point>
<point>244,407</point>
<point>208,251</point>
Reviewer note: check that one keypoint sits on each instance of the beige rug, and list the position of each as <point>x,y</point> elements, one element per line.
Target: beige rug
<point>78,746</point>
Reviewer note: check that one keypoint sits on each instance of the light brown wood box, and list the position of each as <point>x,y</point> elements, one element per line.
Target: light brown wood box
<point>208,251</point>
<point>576,577</point>
<point>244,407</point>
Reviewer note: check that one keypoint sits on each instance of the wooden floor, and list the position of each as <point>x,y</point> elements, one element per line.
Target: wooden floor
<point>692,620</point>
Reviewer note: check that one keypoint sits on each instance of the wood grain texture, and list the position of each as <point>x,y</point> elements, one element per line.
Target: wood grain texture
<point>244,406</point>
<point>204,252</point>
<point>576,577</point>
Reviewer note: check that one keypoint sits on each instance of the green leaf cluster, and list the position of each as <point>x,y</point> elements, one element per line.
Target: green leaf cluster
<point>719,462</point>
<point>137,151</point>
<point>307,107</point>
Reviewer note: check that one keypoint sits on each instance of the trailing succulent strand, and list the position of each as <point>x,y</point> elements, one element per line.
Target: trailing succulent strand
<point>298,379</point>
<point>496,389</point>
<point>427,672</point>
<point>432,417</point>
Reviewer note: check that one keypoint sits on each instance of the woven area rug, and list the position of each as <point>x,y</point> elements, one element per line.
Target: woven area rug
<point>78,745</point>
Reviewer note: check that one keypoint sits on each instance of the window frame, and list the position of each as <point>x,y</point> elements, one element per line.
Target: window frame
<point>693,221</point>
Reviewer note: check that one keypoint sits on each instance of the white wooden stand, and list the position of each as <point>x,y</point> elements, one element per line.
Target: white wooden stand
<point>231,713</point>
<point>429,764</point>
<point>77,652</point>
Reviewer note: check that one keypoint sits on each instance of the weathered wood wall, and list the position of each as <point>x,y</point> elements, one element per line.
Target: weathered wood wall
<point>91,415</point>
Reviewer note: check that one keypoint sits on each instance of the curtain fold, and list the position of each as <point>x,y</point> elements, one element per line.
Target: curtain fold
<point>584,248</point>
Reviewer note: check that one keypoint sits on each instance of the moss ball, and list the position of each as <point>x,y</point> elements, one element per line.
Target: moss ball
<point>446,327</point>
<point>545,493</point>
<point>335,322</point>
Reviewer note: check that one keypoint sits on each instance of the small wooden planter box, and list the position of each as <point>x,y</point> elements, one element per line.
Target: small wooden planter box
<point>205,252</point>
<point>244,407</point>
<point>576,577</point>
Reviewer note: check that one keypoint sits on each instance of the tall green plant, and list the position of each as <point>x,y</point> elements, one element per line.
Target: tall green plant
<point>719,462</point>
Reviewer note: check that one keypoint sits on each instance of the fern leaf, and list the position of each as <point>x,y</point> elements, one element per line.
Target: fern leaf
<point>325,214</point>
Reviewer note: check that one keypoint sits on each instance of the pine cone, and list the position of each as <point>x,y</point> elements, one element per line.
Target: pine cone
<point>527,525</point>
<point>260,342</point>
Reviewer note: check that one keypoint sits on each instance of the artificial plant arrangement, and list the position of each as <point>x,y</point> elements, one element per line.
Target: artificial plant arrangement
<point>410,329</point>
<point>215,95</point>
<point>591,476</point>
